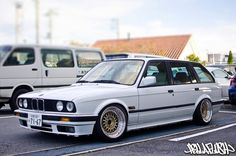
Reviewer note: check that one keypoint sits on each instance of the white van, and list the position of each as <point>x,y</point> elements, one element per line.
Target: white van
<point>24,68</point>
<point>131,55</point>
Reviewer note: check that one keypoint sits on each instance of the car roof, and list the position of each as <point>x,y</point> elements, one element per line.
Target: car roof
<point>51,46</point>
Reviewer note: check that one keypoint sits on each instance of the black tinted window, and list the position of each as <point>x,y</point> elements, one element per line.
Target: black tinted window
<point>53,58</point>
<point>20,56</point>
<point>181,73</point>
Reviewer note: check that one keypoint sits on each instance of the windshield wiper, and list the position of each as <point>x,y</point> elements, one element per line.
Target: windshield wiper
<point>105,81</point>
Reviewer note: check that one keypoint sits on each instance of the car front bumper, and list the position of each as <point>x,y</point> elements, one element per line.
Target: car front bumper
<point>64,124</point>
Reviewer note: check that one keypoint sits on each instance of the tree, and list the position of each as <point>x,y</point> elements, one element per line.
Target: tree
<point>230,58</point>
<point>193,57</point>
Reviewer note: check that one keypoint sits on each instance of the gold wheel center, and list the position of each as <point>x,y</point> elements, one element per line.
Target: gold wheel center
<point>110,122</point>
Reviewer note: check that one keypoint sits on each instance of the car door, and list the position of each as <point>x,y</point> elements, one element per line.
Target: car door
<point>21,67</point>
<point>223,79</point>
<point>58,67</point>
<point>185,89</point>
<point>156,98</point>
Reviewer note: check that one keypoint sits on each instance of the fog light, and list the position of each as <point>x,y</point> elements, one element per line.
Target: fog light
<point>25,103</point>
<point>59,106</point>
<point>65,119</point>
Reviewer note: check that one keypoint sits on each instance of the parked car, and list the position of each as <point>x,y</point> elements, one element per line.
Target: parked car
<point>130,55</point>
<point>223,78</point>
<point>122,95</point>
<point>229,68</point>
<point>232,90</point>
<point>26,68</point>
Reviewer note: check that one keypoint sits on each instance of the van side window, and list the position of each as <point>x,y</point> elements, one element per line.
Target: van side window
<point>219,73</point>
<point>157,69</point>
<point>20,56</point>
<point>181,73</point>
<point>53,58</point>
<point>88,59</point>
<point>202,74</point>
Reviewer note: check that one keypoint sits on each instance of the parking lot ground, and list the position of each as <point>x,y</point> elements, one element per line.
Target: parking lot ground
<point>152,141</point>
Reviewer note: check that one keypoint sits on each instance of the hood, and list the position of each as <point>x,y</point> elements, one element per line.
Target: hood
<point>82,92</point>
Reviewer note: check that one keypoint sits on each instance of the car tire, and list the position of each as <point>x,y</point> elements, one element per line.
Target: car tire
<point>13,102</point>
<point>111,124</point>
<point>203,112</point>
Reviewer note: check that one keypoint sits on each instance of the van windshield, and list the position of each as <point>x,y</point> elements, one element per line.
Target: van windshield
<point>3,51</point>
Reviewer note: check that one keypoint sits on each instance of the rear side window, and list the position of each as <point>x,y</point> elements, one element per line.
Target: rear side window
<point>203,75</point>
<point>20,56</point>
<point>88,59</point>
<point>53,58</point>
<point>181,73</point>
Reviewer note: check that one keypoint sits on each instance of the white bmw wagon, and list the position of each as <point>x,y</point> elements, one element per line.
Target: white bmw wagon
<point>121,95</point>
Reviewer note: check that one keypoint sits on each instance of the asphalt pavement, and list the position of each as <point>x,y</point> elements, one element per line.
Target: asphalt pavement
<point>15,140</point>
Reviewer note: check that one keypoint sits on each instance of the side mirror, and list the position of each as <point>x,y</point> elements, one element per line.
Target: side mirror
<point>147,81</point>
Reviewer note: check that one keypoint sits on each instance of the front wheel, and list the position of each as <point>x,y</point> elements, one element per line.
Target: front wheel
<point>13,102</point>
<point>203,112</point>
<point>112,123</point>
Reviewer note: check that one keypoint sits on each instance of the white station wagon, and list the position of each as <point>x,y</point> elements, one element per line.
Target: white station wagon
<point>122,95</point>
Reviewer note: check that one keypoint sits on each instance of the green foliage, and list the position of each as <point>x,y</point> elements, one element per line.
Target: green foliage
<point>193,57</point>
<point>230,58</point>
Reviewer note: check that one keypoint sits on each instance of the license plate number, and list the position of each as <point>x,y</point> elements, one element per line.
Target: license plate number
<point>35,120</point>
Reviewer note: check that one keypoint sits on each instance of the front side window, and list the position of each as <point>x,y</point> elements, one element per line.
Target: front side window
<point>157,69</point>
<point>3,51</point>
<point>119,72</point>
<point>88,59</point>
<point>202,74</point>
<point>181,73</point>
<point>20,56</point>
<point>53,58</point>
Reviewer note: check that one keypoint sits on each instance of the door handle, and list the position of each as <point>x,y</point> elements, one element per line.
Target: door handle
<point>196,89</point>
<point>46,73</point>
<point>170,91</point>
<point>34,69</point>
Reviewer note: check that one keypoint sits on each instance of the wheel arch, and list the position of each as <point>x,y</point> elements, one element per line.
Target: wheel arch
<point>202,97</point>
<point>22,86</point>
<point>109,103</point>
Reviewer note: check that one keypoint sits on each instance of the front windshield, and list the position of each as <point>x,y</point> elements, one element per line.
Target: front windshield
<point>119,72</point>
<point>3,51</point>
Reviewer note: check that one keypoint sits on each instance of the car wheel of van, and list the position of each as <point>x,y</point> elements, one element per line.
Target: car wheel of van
<point>111,124</point>
<point>203,113</point>
<point>13,102</point>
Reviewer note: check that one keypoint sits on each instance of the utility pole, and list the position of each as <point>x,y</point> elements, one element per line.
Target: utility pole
<point>37,21</point>
<point>117,27</point>
<point>50,15</point>
<point>18,7</point>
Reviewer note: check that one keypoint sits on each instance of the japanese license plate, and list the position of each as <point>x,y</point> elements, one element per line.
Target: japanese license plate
<point>35,120</point>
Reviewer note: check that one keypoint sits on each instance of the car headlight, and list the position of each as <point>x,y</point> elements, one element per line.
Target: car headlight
<point>70,106</point>
<point>25,103</point>
<point>20,103</point>
<point>59,105</point>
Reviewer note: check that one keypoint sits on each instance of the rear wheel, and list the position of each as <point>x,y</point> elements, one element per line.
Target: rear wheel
<point>111,124</point>
<point>13,102</point>
<point>203,113</point>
